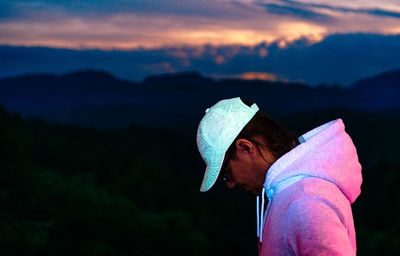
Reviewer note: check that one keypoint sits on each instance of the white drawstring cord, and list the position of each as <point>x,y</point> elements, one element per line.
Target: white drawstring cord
<point>262,214</point>
<point>258,216</point>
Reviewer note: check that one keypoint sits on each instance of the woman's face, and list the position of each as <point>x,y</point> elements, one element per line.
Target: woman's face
<point>246,168</point>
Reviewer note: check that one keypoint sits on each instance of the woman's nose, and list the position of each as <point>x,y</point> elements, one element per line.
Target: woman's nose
<point>230,184</point>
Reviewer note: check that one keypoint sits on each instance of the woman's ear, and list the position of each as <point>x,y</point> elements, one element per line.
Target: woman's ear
<point>245,146</point>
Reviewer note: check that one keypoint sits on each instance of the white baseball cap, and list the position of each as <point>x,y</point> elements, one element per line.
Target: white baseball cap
<point>219,127</point>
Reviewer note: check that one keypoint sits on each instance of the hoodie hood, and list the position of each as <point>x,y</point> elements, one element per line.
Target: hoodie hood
<point>326,152</point>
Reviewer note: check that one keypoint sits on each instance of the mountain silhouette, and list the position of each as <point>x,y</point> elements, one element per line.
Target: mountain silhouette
<point>379,92</point>
<point>96,98</point>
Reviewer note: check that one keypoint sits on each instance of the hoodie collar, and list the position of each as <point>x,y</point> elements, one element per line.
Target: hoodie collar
<point>326,152</point>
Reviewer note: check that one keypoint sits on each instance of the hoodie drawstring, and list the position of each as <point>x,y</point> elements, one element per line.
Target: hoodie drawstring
<point>260,218</point>
<point>262,213</point>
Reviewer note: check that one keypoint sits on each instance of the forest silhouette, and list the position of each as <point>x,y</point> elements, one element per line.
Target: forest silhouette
<point>71,190</point>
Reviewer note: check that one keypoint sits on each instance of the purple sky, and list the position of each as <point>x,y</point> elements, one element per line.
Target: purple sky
<point>179,35</point>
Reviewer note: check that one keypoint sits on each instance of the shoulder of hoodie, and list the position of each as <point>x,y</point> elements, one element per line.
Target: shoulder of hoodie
<point>316,190</point>
<point>323,225</point>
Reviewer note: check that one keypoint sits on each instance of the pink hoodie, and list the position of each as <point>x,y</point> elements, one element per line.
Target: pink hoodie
<point>310,190</point>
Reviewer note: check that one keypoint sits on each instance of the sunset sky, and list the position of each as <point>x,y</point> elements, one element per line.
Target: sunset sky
<point>176,35</point>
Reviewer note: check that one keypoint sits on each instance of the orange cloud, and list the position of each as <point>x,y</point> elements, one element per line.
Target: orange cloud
<point>138,31</point>
<point>258,76</point>
<point>295,30</point>
<point>219,59</point>
<point>262,52</point>
<point>248,25</point>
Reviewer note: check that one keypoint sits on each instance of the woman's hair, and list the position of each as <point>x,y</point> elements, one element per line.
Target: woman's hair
<point>279,140</point>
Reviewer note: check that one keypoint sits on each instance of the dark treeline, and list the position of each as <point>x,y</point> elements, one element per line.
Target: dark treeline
<point>68,190</point>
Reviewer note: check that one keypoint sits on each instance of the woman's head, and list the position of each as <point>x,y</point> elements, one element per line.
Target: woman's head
<point>274,135</point>
<point>260,143</point>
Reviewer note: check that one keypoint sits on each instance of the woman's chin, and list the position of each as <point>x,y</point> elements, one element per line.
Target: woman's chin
<point>256,191</point>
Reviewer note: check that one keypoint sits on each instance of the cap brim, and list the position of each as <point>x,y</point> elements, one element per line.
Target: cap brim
<point>211,173</point>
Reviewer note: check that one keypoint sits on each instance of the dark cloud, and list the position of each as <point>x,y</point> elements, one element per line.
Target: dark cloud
<point>296,12</point>
<point>378,12</point>
<point>341,58</point>
<point>11,9</point>
<point>373,12</point>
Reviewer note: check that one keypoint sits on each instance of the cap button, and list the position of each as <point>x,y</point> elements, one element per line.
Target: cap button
<point>207,110</point>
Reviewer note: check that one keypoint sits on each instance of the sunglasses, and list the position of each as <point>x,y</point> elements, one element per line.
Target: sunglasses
<point>226,173</point>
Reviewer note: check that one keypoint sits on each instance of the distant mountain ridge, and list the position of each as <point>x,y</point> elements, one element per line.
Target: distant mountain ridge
<point>379,92</point>
<point>96,98</point>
